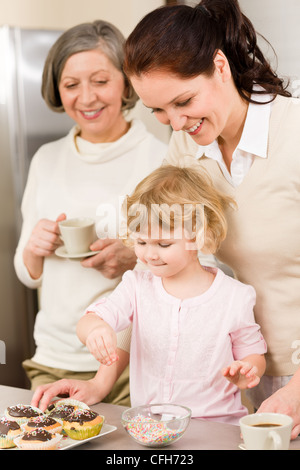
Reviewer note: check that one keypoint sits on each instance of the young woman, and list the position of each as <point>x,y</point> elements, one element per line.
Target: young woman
<point>201,71</point>
<point>188,322</point>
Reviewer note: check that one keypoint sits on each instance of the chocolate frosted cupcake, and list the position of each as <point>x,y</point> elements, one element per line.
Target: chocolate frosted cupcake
<point>43,422</point>
<point>82,424</point>
<point>8,431</point>
<point>63,408</point>
<point>60,412</point>
<point>22,413</point>
<point>39,439</point>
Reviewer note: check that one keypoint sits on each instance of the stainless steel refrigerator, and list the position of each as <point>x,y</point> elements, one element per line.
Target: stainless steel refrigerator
<point>25,124</point>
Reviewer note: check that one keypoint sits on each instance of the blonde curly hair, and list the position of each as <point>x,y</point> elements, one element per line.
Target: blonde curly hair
<point>171,196</point>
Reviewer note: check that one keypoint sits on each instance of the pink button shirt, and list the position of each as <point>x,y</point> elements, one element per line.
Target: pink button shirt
<point>179,347</point>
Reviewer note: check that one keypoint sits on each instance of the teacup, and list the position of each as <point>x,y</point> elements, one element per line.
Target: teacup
<point>77,234</point>
<point>266,431</point>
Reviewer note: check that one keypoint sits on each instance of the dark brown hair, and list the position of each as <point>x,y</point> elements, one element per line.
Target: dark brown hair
<point>183,40</point>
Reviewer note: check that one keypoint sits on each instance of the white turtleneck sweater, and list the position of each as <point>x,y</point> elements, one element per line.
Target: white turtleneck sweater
<point>75,176</point>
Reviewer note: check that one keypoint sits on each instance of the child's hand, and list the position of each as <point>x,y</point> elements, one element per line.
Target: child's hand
<point>243,374</point>
<point>102,343</point>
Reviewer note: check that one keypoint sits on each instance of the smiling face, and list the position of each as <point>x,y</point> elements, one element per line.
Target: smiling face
<point>91,90</point>
<point>205,107</point>
<point>167,256</point>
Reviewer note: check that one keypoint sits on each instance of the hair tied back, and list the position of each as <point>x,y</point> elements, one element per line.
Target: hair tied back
<point>203,10</point>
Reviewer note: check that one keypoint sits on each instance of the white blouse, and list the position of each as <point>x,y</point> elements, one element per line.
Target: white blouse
<point>254,141</point>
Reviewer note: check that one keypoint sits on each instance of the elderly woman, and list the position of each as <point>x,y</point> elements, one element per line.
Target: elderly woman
<point>101,159</point>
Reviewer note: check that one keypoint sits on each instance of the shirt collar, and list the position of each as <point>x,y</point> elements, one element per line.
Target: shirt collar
<point>254,139</point>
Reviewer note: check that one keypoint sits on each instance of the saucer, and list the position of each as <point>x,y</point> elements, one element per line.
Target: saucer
<point>62,253</point>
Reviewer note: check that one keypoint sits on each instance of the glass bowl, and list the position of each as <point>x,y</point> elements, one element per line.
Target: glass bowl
<point>156,425</point>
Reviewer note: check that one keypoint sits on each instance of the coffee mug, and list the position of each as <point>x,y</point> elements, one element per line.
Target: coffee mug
<point>77,234</point>
<point>266,431</point>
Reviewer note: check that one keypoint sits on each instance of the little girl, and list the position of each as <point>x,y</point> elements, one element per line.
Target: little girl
<point>191,325</point>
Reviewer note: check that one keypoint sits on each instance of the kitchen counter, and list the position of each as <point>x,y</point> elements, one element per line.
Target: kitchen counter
<point>200,434</point>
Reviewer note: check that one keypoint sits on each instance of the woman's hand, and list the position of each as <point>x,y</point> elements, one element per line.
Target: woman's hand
<point>242,374</point>
<point>86,391</point>
<point>286,400</point>
<point>113,260</point>
<point>43,241</point>
<point>45,237</point>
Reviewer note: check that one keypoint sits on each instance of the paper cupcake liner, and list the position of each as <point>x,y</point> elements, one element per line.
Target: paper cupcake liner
<point>70,401</point>
<point>7,442</point>
<point>81,434</point>
<point>47,445</point>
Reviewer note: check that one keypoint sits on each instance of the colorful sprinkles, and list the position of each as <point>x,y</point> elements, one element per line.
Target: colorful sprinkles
<point>151,432</point>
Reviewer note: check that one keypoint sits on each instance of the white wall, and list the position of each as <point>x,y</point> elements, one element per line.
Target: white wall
<point>63,14</point>
<point>278,22</point>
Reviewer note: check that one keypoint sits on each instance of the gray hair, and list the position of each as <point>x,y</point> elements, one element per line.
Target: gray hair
<point>84,37</point>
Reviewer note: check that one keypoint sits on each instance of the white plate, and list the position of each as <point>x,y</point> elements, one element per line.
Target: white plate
<point>62,253</point>
<point>67,443</point>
